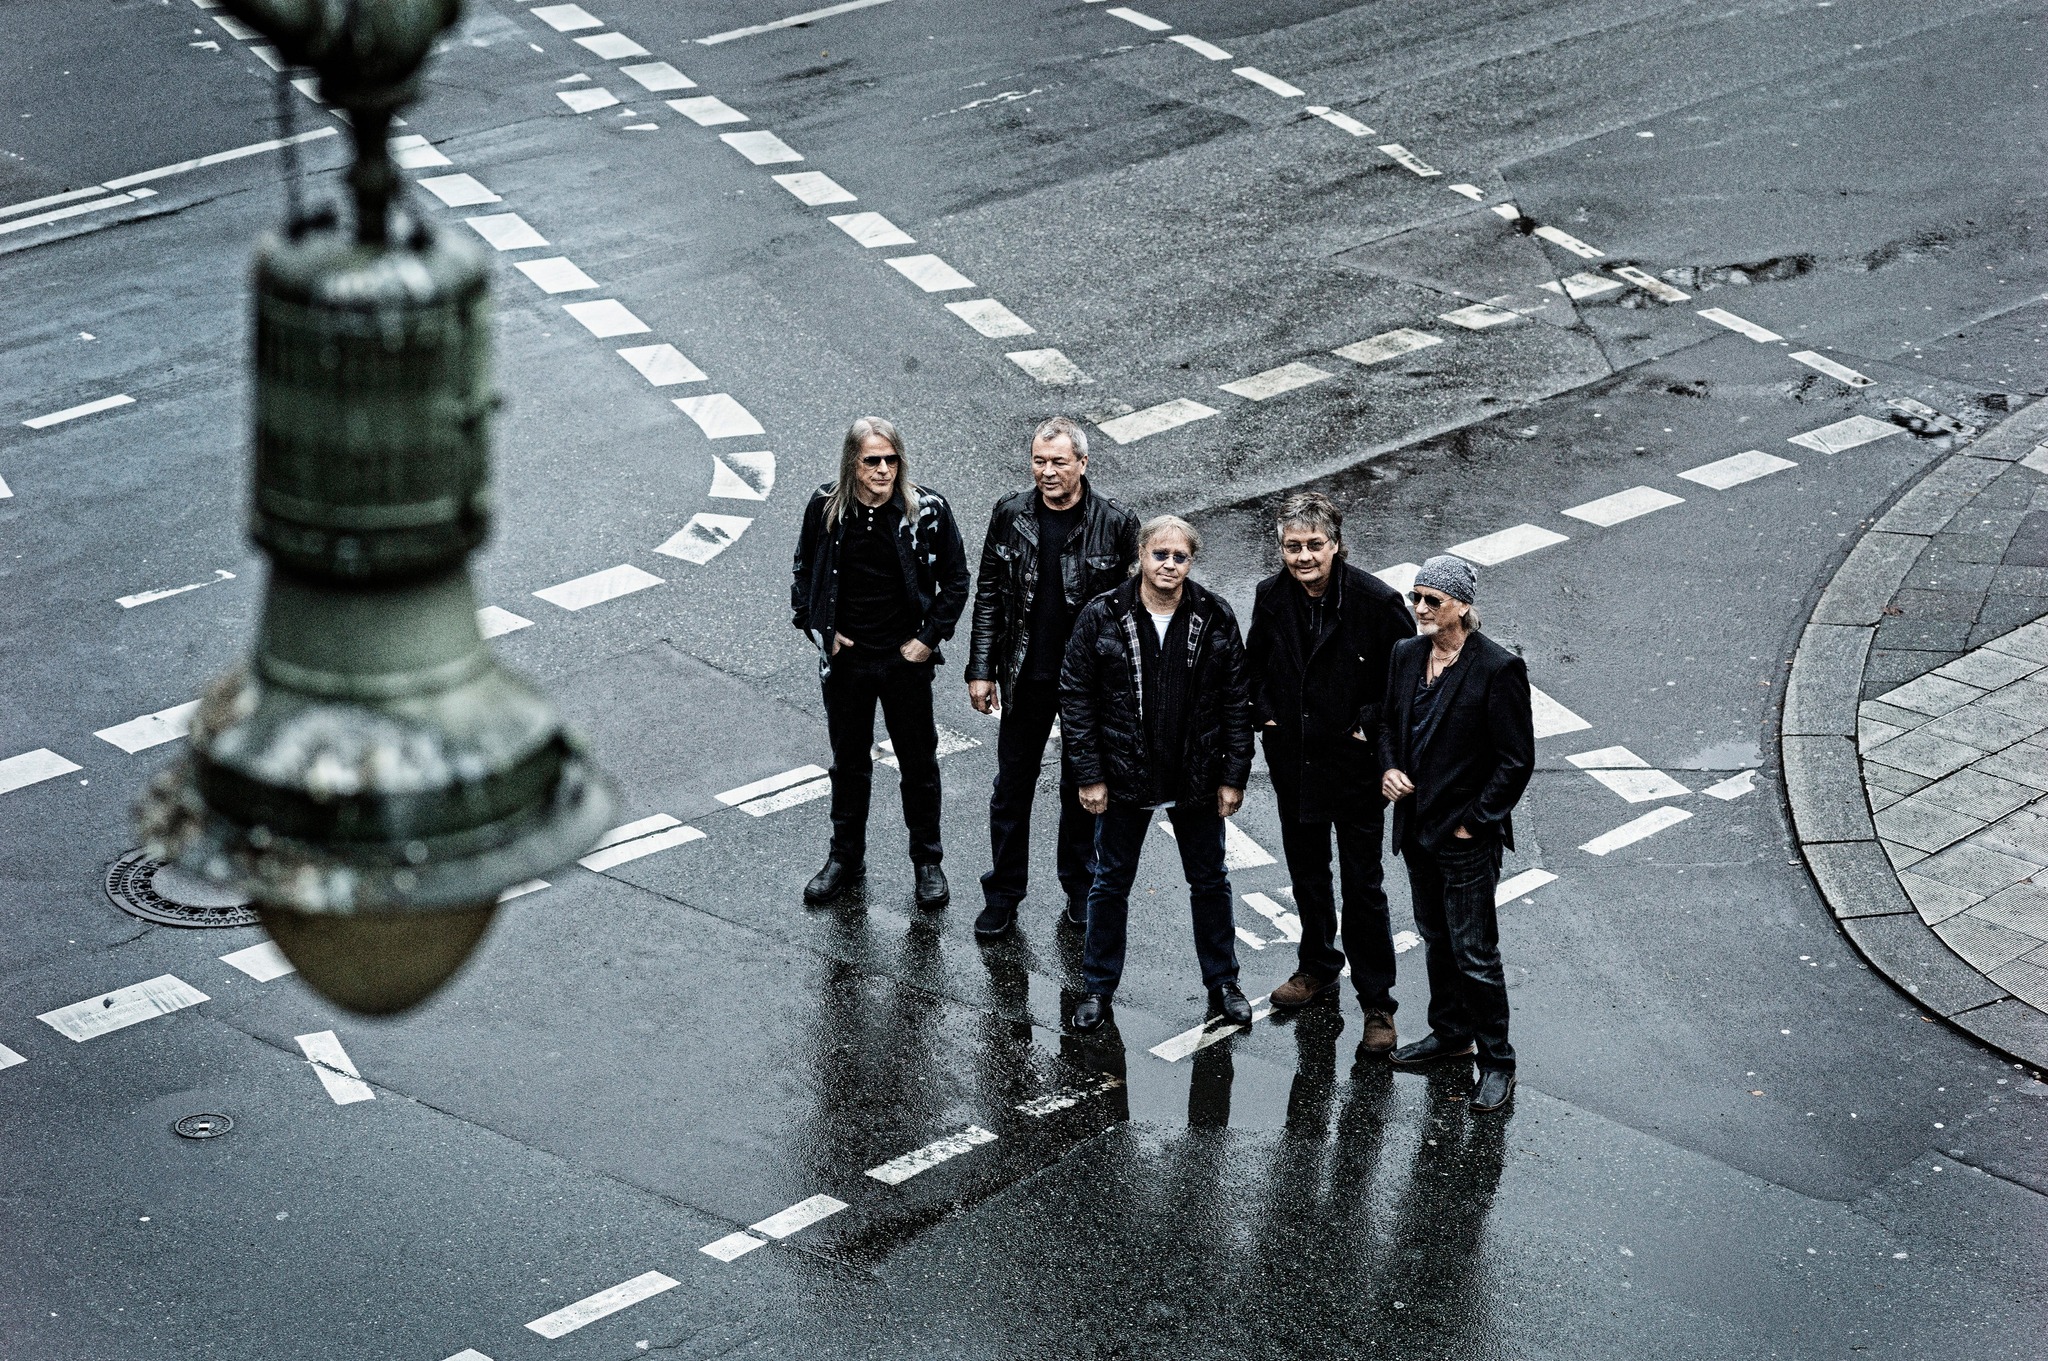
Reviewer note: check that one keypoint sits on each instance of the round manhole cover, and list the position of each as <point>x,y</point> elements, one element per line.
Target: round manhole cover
<point>208,1125</point>
<point>162,893</point>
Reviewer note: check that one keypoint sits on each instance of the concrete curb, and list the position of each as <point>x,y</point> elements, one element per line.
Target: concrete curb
<point>1823,772</point>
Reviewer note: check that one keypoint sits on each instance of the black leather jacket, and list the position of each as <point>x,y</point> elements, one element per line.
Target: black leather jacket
<point>1092,561</point>
<point>1102,716</point>
<point>934,569</point>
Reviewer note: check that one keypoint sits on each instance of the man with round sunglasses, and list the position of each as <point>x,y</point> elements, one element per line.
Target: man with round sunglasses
<point>1457,747</point>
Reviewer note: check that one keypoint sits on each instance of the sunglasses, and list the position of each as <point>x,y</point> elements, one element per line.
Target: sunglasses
<point>878,460</point>
<point>1428,602</point>
<point>1179,558</point>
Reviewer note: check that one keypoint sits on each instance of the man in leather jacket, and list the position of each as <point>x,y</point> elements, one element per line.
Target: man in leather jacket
<point>1049,551</point>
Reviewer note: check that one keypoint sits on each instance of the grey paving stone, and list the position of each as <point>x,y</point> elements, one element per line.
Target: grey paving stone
<point>1924,754</point>
<point>1890,777</point>
<point>2022,834</point>
<point>1913,957</point>
<point>2002,612</point>
<point>2028,982</point>
<point>1901,856</point>
<point>1886,670</point>
<point>1983,727</point>
<point>2029,547</point>
<point>1856,879</point>
<point>2011,1026</point>
<point>1987,668</point>
<point>1914,822</point>
<point>1824,785</point>
<point>1877,711</point>
<point>2023,699</point>
<point>2023,907</point>
<point>1871,733</point>
<point>2030,640</point>
<point>1971,577</point>
<point>1880,797</point>
<point>1827,673</point>
<point>1931,695</point>
<point>2023,761</point>
<point>1974,546</point>
<point>1936,901</point>
<point>1868,579</point>
<point>1932,621</point>
<point>1934,500</point>
<point>1985,797</point>
<point>1976,869</point>
<point>1985,945</point>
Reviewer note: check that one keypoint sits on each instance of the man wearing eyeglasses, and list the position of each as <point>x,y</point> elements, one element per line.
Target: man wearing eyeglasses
<point>1153,716</point>
<point>1049,551</point>
<point>1457,747</point>
<point>1316,659</point>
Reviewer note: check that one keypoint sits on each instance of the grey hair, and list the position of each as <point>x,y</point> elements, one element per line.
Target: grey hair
<point>1057,426</point>
<point>1167,524</point>
<point>1312,510</point>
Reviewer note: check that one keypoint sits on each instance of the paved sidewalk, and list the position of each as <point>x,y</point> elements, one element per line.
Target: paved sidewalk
<point>1915,739</point>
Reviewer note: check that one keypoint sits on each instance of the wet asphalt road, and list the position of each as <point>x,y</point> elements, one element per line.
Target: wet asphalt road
<point>1731,1138</point>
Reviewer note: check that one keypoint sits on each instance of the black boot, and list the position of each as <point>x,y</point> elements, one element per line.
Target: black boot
<point>831,881</point>
<point>931,886</point>
<point>994,922</point>
<point>1092,1012</point>
<point>1228,1001</point>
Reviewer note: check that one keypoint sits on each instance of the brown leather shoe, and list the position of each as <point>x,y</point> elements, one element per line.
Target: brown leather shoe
<point>1304,989</point>
<point>1380,1036</point>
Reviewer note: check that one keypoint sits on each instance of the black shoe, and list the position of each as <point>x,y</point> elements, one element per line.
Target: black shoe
<point>1430,1049</point>
<point>1227,1000</point>
<point>1074,916</point>
<point>1092,1012</point>
<point>995,922</point>
<point>931,886</point>
<point>831,881</point>
<point>1496,1085</point>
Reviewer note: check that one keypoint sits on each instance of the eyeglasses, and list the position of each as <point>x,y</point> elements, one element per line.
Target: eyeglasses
<point>1428,602</point>
<point>878,460</point>
<point>1179,558</point>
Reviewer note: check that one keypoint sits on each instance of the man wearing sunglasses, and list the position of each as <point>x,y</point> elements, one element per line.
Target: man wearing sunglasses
<point>1152,716</point>
<point>1457,747</point>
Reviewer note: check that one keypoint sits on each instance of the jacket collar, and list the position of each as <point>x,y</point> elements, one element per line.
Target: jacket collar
<point>1452,680</point>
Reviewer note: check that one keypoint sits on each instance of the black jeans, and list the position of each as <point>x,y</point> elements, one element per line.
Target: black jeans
<point>1119,838</point>
<point>859,678</point>
<point>1368,936</point>
<point>1453,888</point>
<point>1020,755</point>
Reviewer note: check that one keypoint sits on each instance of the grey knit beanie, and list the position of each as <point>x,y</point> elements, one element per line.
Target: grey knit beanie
<point>1454,576</point>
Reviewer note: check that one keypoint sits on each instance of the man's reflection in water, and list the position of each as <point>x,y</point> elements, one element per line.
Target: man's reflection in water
<point>1209,1087</point>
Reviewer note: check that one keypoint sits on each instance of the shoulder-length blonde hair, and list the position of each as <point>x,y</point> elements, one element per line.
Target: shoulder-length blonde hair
<point>841,495</point>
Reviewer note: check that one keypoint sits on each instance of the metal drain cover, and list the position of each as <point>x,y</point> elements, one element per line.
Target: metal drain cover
<point>208,1125</point>
<point>167,895</point>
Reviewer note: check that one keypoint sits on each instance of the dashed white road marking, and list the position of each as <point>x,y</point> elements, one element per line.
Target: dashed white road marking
<point>1742,327</point>
<point>495,622</point>
<point>991,318</point>
<point>1583,285</point>
<point>1387,345</point>
<point>732,798</point>
<point>332,1065</point>
<point>814,188</point>
<point>1628,774</point>
<point>587,101</point>
<point>72,413</point>
<point>1144,21</point>
<point>1552,718</point>
<point>469,1354</point>
<point>1256,942</point>
<point>1820,362</point>
<point>1404,157</point>
<point>761,147</point>
<point>704,536</point>
<point>52,200</point>
<point>788,798</point>
<point>522,889</point>
<point>8,1058</point>
<point>1340,120</point>
<point>1154,420</point>
<point>872,229</point>
<point>1065,1098</point>
<point>1401,576</point>
<point>1240,852</point>
<point>1734,787</point>
<point>605,1302</point>
<point>1200,48</point>
<point>1507,212</point>
<point>5,491</point>
<point>566,18</point>
<point>459,191</point>
<point>1273,382</point>
<point>1833,439</point>
<point>1471,191</point>
<point>719,415</point>
<point>1481,316</point>
<point>793,21</point>
<point>123,1007</point>
<point>1521,886</point>
<point>414,152</point>
<point>598,587</point>
<point>1049,366</point>
<point>506,231</point>
<point>662,365</point>
<point>1285,922</point>
<point>1207,1033</point>
<point>1501,545</point>
<point>151,730</point>
<point>656,76</point>
<point>708,111</point>
<point>799,1216</point>
<point>611,46</point>
<point>1650,284</point>
<point>129,602</point>
<point>262,961</point>
<point>33,767</point>
<point>898,1170</point>
<point>1569,242</point>
<point>1634,830</point>
<point>1608,511</point>
<point>733,1246</point>
<point>610,855</point>
<point>743,477</point>
<point>234,27</point>
<point>606,317</point>
<point>930,273</point>
<point>1267,81</point>
<point>1737,469</point>
<point>1404,941</point>
<point>556,274</point>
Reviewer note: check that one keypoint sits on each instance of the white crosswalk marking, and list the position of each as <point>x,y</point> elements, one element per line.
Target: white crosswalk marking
<point>1481,316</point>
<point>1521,886</point>
<point>493,622</point>
<point>872,230</point>
<point>123,1007</point>
<point>1267,81</point>
<point>1722,317</point>
<point>332,1065</point>
<point>899,1170</point>
<point>605,318</point>
<point>611,46</point>
<point>639,848</point>
<point>1285,922</point>
<point>732,798</point>
<point>33,767</point>
<point>1650,284</point>
<point>1582,285</point>
<point>719,415</point>
<point>263,961</point>
<point>1200,48</point>
<point>1734,787</point>
<point>72,413</point>
<point>991,318</point>
<point>413,152</point>
<point>1609,511</point>
<point>743,477</point>
<point>556,274</point>
<point>930,273</point>
<point>707,111</point>
<point>814,188</point>
<point>566,18</point>
<point>1649,824</point>
<point>151,730</point>
<point>662,365</point>
<point>1154,420</point>
<point>704,537</point>
<point>1066,1098</point>
<point>459,191</point>
<point>506,231</point>
<point>604,1303</point>
<point>1050,367</point>
<point>1502,545</point>
<point>1552,718</point>
<point>1737,469</point>
<point>1569,242</point>
<point>1144,21</point>
<point>1207,1033</point>
<point>1857,430</point>
<point>1273,382</point>
<point>1821,363</point>
<point>656,76</point>
<point>598,587</point>
<point>1340,120</point>
<point>1409,160</point>
<point>587,100</point>
<point>761,147</point>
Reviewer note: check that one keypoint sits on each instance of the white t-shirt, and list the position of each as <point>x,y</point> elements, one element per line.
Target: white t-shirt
<point>1160,623</point>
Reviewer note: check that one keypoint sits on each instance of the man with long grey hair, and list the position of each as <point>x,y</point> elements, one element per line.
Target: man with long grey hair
<point>880,582</point>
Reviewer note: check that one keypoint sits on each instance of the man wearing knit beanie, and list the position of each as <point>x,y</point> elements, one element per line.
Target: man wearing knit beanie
<point>1457,746</point>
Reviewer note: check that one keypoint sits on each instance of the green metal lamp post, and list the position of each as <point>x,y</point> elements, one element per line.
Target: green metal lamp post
<point>373,780</point>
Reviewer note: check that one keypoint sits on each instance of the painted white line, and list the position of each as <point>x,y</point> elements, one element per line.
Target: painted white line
<point>506,231</point>
<point>1737,469</point>
<point>1339,120</point>
<point>8,1058</point>
<point>1481,316</point>
<point>639,827</point>
<point>521,890</point>
<point>123,1007</point>
<point>235,28</point>
<point>218,158</point>
<point>1521,886</point>
<point>656,76</point>
<point>732,798</point>
<point>991,318</point>
<point>1734,787</point>
<point>704,536</point>
<point>1471,191</point>
<point>1841,372</point>
<point>872,230</point>
<point>52,200</point>
<point>930,273</point>
<point>814,188</point>
<point>1256,942</point>
<point>1202,1036</point>
<point>1049,366</point>
<point>761,147</point>
<point>599,587</point>
<point>1240,852</point>
<point>1833,439</point>
<point>493,622</point>
<point>611,46</point>
<point>662,365</point>
<point>587,101</point>
<point>262,961</point>
<point>1507,543</point>
<point>1200,48</point>
<point>799,1216</point>
<point>75,210</point>
<point>1285,922</point>
<point>469,1354</point>
<point>1609,758</point>
<point>1066,1098</point>
<point>719,415</point>
<point>1569,242</point>
<point>1722,317</point>
<point>1650,284</point>
<point>129,602</point>
<point>793,21</point>
<point>708,111</point>
<point>1401,576</point>
<point>743,476</point>
<point>787,798</point>
<point>605,1302</point>
<point>1154,419</point>
<point>5,491</point>
<point>1608,511</point>
<point>1639,786</point>
<point>33,767</point>
<point>566,18</point>
<point>896,1171</point>
<point>1507,212</point>
<point>1404,941</point>
<point>1144,21</point>
<point>1403,156</point>
<point>556,274</point>
<point>72,413</point>
<point>605,318</point>
<point>1649,824</point>
<point>733,1246</point>
<point>1273,382</point>
<point>610,857</point>
<point>459,191</point>
<point>336,1073</point>
<point>1583,285</point>
<point>151,730</point>
<point>1267,81</point>
<point>1387,345</point>
<point>413,152</point>
<point>1552,718</point>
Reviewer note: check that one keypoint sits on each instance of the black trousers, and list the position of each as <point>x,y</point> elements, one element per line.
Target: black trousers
<point>1368,935</point>
<point>860,678</point>
<point>1453,888</point>
<point>1020,755</point>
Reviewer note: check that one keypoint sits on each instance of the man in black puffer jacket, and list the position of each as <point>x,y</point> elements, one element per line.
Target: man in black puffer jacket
<point>1153,714</point>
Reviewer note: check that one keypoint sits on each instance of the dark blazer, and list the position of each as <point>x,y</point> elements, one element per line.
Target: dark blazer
<point>1473,767</point>
<point>1316,700</point>
<point>928,547</point>
<point>1102,710</point>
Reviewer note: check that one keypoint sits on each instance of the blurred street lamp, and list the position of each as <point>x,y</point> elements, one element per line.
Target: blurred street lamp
<point>373,780</point>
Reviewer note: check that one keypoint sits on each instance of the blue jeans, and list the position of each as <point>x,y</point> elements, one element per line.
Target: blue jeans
<point>1119,838</point>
